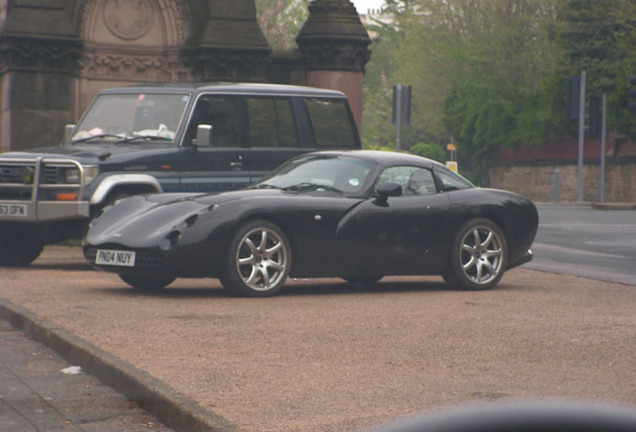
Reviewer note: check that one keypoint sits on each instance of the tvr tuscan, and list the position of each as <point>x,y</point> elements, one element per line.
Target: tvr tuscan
<point>358,215</point>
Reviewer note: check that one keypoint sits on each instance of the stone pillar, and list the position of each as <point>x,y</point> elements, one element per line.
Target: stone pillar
<point>228,43</point>
<point>38,54</point>
<point>334,45</point>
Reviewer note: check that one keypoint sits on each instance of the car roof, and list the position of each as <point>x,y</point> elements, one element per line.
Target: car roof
<point>229,87</point>
<point>386,158</point>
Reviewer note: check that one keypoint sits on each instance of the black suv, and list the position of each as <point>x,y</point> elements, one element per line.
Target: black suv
<point>162,138</point>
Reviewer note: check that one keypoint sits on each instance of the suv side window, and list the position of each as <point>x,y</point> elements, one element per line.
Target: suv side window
<point>223,114</point>
<point>331,123</point>
<point>271,123</point>
<point>415,181</point>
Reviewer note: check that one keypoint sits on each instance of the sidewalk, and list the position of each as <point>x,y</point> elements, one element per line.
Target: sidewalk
<point>36,395</point>
<point>39,393</point>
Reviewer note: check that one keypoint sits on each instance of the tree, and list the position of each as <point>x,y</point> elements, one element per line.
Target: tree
<point>599,38</point>
<point>477,68</point>
<point>281,20</point>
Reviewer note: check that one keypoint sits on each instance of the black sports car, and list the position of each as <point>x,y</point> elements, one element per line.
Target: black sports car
<point>358,215</point>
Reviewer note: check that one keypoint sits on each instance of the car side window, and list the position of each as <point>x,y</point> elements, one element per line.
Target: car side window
<point>415,181</point>
<point>331,123</point>
<point>451,181</point>
<point>271,123</point>
<point>223,114</point>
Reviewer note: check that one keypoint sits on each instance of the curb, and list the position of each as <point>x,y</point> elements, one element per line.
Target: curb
<point>614,206</point>
<point>169,406</point>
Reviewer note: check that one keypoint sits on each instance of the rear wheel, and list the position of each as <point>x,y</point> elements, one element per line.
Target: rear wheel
<point>258,260</point>
<point>20,245</point>
<point>478,257</point>
<point>147,282</point>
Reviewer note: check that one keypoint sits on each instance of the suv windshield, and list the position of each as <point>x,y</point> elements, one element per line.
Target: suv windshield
<point>132,117</point>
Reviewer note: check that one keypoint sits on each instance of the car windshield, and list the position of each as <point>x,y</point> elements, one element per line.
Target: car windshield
<point>132,117</point>
<point>342,174</point>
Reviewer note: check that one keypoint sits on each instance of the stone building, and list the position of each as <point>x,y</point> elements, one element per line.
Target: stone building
<point>56,54</point>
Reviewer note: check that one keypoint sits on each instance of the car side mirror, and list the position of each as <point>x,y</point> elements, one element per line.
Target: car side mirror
<point>204,135</point>
<point>388,189</point>
<point>69,131</point>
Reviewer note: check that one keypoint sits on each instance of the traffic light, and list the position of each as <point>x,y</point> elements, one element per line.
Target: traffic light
<point>631,105</point>
<point>401,104</point>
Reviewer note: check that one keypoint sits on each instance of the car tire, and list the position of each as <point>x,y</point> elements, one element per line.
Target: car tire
<point>147,283</point>
<point>479,256</point>
<point>20,246</point>
<point>258,260</point>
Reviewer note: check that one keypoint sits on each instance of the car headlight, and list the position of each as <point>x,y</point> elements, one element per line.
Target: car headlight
<point>90,172</point>
<point>72,175</point>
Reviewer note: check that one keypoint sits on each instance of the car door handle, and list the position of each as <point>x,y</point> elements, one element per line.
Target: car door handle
<point>236,165</point>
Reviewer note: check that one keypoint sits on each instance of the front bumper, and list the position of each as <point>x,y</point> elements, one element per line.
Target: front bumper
<point>32,191</point>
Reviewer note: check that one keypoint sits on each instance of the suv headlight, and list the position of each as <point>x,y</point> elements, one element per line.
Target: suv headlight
<point>90,172</point>
<point>72,174</point>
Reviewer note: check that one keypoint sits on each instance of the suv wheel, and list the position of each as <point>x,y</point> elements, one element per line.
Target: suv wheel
<point>20,246</point>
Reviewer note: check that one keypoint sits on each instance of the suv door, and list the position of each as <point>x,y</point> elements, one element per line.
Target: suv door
<point>273,133</point>
<point>218,165</point>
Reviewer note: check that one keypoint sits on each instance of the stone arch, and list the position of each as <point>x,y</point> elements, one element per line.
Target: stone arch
<point>130,41</point>
<point>127,23</point>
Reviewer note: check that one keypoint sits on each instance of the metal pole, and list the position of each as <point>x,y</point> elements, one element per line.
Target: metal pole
<point>604,118</point>
<point>557,185</point>
<point>579,177</point>
<point>398,115</point>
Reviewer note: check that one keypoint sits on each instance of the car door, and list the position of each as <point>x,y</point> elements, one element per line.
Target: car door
<point>399,235</point>
<point>218,165</point>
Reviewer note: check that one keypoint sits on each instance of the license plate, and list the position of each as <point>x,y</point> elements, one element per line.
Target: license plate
<point>115,258</point>
<point>13,210</point>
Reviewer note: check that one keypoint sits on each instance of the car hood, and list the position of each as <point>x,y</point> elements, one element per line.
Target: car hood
<point>146,221</point>
<point>88,153</point>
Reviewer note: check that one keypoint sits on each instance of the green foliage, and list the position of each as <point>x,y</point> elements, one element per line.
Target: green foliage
<point>493,73</point>
<point>599,38</point>
<point>430,150</point>
<point>281,20</point>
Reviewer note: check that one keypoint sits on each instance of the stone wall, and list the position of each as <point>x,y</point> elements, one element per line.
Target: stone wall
<point>539,183</point>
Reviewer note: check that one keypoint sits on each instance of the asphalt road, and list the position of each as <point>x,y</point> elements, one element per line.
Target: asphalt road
<point>322,356</point>
<point>580,240</point>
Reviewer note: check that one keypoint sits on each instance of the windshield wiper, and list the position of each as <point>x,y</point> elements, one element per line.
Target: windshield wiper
<point>98,136</point>
<point>143,137</point>
<point>265,186</point>
<point>307,187</point>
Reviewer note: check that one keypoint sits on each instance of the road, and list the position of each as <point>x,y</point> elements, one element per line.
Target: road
<point>580,240</point>
<point>323,356</point>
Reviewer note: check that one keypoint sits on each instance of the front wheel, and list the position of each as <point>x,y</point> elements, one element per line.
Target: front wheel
<point>478,257</point>
<point>258,260</point>
<point>149,283</point>
<point>20,245</point>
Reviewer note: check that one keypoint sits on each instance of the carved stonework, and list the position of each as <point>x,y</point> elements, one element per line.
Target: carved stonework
<point>228,67</point>
<point>22,55</point>
<point>128,19</point>
<point>135,67</point>
<point>334,56</point>
<point>333,37</point>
